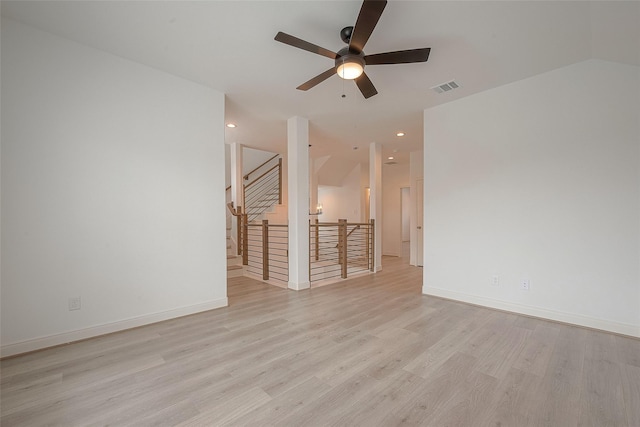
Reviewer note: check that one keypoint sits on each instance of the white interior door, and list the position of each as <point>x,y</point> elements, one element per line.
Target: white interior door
<point>419,221</point>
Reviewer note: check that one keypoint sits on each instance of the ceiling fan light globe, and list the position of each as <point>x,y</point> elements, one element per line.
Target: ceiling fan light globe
<point>350,70</point>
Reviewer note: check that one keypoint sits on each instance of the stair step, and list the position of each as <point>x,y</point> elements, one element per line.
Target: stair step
<point>235,271</point>
<point>233,259</point>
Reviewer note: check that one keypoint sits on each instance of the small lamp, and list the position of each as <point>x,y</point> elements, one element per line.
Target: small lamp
<point>318,210</point>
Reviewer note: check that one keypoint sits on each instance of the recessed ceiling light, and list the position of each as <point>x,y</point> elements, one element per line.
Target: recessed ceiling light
<point>231,125</point>
<point>390,158</point>
<point>400,134</point>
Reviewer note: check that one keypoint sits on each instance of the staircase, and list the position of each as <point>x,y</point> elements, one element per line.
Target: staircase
<point>263,189</point>
<point>262,200</point>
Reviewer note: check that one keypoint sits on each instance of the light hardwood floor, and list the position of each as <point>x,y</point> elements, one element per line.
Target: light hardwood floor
<point>365,352</point>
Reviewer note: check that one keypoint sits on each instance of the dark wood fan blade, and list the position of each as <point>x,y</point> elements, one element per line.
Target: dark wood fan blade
<point>399,57</point>
<point>304,45</point>
<point>366,87</point>
<point>367,19</point>
<point>317,79</point>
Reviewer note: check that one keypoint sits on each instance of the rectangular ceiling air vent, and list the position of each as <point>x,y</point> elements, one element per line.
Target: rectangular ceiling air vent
<point>445,87</point>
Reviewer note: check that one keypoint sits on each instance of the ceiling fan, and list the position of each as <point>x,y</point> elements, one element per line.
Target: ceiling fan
<point>351,60</point>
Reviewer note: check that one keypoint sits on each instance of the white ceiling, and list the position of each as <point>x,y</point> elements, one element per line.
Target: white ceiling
<point>229,46</point>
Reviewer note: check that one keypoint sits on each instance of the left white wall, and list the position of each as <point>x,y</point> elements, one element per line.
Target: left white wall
<point>112,190</point>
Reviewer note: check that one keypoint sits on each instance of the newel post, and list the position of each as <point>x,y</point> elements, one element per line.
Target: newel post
<point>342,245</point>
<point>245,239</point>
<point>265,249</point>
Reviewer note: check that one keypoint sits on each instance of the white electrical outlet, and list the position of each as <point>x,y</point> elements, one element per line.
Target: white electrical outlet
<point>74,303</point>
<point>495,280</point>
<point>525,284</point>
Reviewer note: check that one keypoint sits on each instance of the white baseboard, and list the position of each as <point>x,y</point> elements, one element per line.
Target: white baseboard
<point>94,331</point>
<point>572,318</point>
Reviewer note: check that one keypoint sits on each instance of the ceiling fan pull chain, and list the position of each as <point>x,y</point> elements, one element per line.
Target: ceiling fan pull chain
<point>343,94</point>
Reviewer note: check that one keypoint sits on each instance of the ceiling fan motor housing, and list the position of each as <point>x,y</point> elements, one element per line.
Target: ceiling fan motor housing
<point>345,34</point>
<point>348,64</point>
<point>347,56</point>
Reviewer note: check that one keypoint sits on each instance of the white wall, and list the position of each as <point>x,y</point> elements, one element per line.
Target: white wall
<point>406,210</point>
<point>539,180</point>
<point>112,190</point>
<point>416,172</point>
<point>394,177</point>
<point>343,202</point>
<point>251,159</point>
<point>364,193</point>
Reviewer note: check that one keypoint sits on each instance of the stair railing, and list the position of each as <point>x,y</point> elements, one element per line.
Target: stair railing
<point>267,253</point>
<point>337,250</point>
<point>265,190</point>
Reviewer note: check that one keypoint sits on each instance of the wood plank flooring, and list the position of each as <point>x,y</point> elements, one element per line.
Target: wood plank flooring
<point>370,351</point>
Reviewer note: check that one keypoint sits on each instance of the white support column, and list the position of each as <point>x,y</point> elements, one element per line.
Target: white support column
<point>298,201</point>
<point>313,187</point>
<point>236,174</point>
<point>375,184</point>
<point>236,184</point>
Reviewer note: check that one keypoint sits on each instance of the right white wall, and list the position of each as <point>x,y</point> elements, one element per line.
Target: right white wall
<point>539,180</point>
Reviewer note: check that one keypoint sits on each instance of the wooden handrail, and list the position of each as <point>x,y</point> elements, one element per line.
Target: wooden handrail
<point>233,211</point>
<point>255,225</point>
<point>328,224</point>
<point>246,177</point>
<point>237,212</point>
<point>256,180</point>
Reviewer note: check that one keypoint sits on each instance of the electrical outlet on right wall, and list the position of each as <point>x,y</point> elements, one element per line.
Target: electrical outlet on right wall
<point>74,303</point>
<point>525,284</point>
